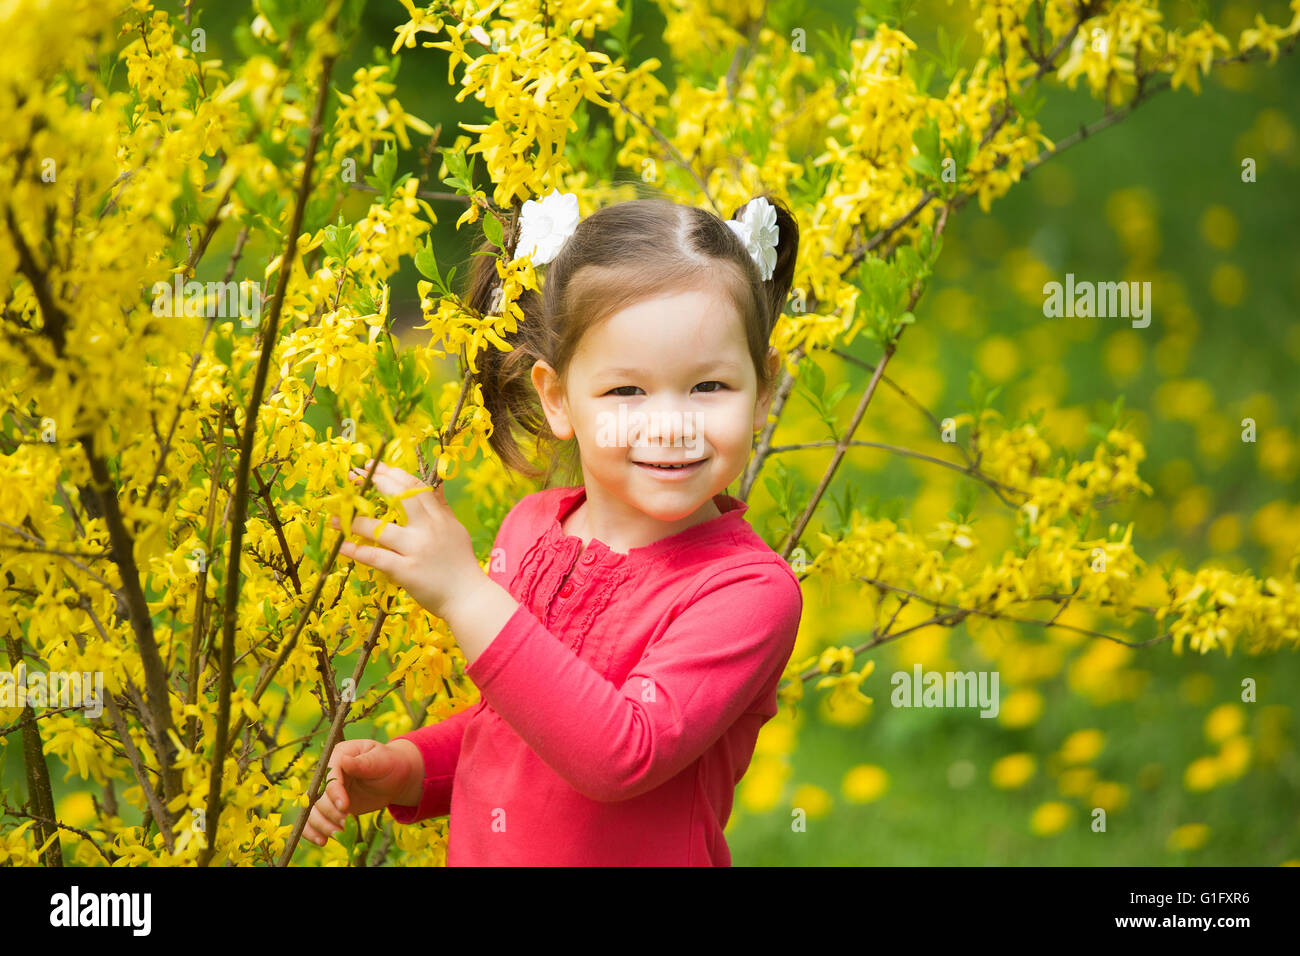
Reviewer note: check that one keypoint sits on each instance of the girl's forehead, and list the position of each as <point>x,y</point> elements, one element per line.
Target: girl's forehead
<point>686,315</point>
<point>661,333</point>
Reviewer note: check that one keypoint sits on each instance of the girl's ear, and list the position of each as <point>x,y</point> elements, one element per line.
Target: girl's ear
<point>549,390</point>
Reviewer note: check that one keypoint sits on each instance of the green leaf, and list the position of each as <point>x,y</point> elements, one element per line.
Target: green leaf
<point>815,378</point>
<point>427,263</point>
<point>340,240</point>
<point>363,302</point>
<point>372,407</point>
<point>493,229</point>
<point>777,490</point>
<point>385,168</point>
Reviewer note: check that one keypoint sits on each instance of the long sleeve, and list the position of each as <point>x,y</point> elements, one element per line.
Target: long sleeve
<point>439,745</point>
<point>728,646</point>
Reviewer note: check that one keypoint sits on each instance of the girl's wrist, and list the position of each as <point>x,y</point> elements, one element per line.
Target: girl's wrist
<point>412,787</point>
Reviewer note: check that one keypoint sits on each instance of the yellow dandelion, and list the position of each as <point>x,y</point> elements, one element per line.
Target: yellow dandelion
<point>1109,795</point>
<point>1189,836</point>
<point>1076,781</point>
<point>761,788</point>
<point>1021,708</point>
<point>865,783</point>
<point>1082,746</point>
<point>1123,354</point>
<point>1012,771</point>
<point>812,799</point>
<point>1201,774</point>
<point>1224,533</point>
<point>998,358</point>
<point>1219,226</point>
<point>775,739</point>
<point>1234,758</point>
<point>1227,284</point>
<point>1223,722</point>
<point>1050,818</point>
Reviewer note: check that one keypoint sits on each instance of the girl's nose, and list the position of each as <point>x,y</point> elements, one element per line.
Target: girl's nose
<point>670,428</point>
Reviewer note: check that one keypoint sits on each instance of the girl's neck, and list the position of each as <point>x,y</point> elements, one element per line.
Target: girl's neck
<point>585,523</point>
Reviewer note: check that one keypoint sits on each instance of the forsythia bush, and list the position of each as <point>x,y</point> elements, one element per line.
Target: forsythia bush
<point>163,500</point>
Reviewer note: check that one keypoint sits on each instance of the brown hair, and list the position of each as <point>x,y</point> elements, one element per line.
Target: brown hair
<point>619,255</point>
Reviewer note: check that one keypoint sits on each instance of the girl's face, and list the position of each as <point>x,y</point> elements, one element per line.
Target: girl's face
<point>665,381</point>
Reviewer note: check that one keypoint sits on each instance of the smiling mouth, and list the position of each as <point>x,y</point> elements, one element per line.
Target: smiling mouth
<point>680,466</point>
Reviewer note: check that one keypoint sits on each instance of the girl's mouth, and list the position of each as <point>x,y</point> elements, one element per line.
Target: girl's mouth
<point>668,471</point>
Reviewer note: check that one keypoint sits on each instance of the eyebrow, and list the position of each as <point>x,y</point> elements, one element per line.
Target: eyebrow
<point>720,365</point>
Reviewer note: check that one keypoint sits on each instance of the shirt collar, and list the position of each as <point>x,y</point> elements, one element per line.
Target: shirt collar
<point>732,513</point>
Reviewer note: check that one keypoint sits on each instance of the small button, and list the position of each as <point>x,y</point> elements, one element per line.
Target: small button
<point>566,590</point>
<point>588,558</point>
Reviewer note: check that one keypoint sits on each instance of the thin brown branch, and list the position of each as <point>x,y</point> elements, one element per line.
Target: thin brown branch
<point>240,499</point>
<point>315,790</point>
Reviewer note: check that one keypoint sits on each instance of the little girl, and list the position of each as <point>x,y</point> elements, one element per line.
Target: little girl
<point>629,637</point>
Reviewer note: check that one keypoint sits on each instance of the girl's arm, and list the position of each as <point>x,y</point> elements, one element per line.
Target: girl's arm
<point>723,653</point>
<point>438,745</point>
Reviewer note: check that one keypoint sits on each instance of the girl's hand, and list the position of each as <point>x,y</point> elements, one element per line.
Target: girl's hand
<point>367,775</point>
<point>431,556</point>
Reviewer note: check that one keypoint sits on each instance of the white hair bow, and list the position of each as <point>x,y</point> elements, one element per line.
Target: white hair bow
<point>545,225</point>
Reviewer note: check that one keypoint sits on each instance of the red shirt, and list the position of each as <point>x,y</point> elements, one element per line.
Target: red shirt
<point>619,707</point>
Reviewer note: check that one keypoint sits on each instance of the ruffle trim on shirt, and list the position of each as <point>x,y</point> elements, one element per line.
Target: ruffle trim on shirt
<point>546,562</point>
<point>729,524</point>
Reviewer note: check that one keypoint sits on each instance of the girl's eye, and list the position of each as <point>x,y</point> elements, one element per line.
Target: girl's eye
<point>710,391</point>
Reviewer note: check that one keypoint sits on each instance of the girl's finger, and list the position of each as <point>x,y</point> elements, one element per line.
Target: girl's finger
<point>381,559</point>
<point>389,533</point>
<point>409,491</point>
<point>386,481</point>
<point>391,471</point>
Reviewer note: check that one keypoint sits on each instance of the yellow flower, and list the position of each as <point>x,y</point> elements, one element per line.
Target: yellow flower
<point>1108,795</point>
<point>1082,746</point>
<point>422,21</point>
<point>1226,720</point>
<point>1201,774</point>
<point>1190,836</point>
<point>865,783</point>
<point>1076,781</point>
<point>762,784</point>
<point>1021,708</point>
<point>1012,771</point>
<point>814,800</point>
<point>1233,758</point>
<point>1050,818</point>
